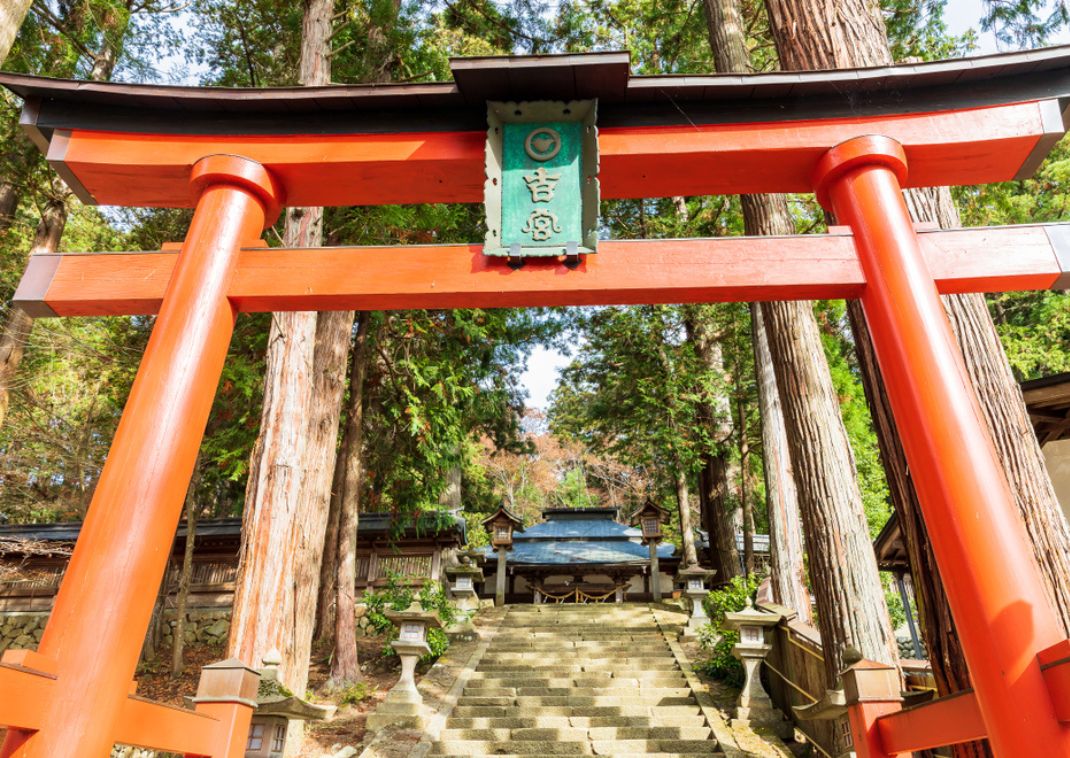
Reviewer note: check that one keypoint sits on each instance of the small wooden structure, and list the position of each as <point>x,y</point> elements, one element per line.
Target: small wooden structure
<point>581,555</point>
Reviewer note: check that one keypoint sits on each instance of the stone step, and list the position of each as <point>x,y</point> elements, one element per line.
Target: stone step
<point>513,711</point>
<point>680,747</point>
<point>551,755</point>
<point>598,747</point>
<point>623,664</point>
<point>617,691</point>
<point>604,679</point>
<point>596,650</point>
<point>539,701</point>
<point>564,672</point>
<point>599,653</point>
<point>581,647</point>
<point>652,721</point>
<point>573,734</point>
<point>511,747</point>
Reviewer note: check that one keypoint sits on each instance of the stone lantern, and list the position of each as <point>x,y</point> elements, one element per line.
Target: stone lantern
<point>649,519</point>
<point>501,525</point>
<point>463,578</point>
<point>755,706</point>
<point>270,730</point>
<point>694,580</point>
<point>403,705</point>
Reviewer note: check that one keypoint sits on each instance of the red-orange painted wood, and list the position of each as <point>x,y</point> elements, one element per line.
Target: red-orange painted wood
<point>1003,617</point>
<point>98,621</point>
<point>946,721</point>
<point>457,276</point>
<point>218,730</point>
<point>1055,664</point>
<point>953,147</point>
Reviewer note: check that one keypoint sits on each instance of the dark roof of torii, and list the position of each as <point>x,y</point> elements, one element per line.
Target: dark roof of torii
<point>624,99</point>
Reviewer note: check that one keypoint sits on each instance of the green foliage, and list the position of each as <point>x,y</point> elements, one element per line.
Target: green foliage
<point>355,693</point>
<point>715,638</point>
<point>896,610</point>
<point>1025,23</point>
<point>477,533</point>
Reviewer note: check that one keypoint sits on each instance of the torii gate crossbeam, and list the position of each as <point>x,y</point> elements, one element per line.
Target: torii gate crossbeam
<point>854,137</point>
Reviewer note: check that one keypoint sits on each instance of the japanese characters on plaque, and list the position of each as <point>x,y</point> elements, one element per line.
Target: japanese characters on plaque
<point>541,187</point>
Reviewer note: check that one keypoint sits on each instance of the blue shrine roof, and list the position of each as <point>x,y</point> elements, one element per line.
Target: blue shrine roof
<point>578,536</point>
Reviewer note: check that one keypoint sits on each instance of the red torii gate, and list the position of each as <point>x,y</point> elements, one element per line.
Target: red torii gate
<point>237,156</point>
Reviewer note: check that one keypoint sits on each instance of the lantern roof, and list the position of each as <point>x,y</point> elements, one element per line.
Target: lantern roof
<point>751,616</point>
<point>650,508</point>
<point>505,513</point>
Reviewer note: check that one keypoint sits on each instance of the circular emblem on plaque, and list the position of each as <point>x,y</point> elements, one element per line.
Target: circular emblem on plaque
<point>542,144</point>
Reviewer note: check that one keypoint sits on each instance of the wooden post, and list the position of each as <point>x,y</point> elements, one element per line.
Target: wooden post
<point>871,690</point>
<point>499,580</point>
<point>103,607</point>
<point>655,581</point>
<point>1000,607</point>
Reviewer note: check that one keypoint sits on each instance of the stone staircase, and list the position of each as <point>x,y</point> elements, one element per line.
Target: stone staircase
<point>577,680</point>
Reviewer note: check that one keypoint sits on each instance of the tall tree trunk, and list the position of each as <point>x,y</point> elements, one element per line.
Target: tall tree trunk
<point>9,204</point>
<point>328,566</point>
<point>287,497</point>
<point>850,598</point>
<point>346,666</point>
<point>17,325</point>
<point>185,578</point>
<point>788,567</point>
<point>12,13</point>
<point>713,477</point>
<point>855,36</point>
<point>683,502</point>
<point>745,504</point>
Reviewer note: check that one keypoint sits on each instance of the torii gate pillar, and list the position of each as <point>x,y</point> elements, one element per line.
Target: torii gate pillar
<point>106,600</point>
<point>1001,612</point>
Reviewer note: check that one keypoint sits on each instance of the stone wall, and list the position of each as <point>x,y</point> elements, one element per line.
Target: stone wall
<point>21,629</point>
<point>204,627</point>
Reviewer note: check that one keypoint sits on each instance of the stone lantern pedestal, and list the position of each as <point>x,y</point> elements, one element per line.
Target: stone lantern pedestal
<point>404,705</point>
<point>463,580</point>
<point>694,579</point>
<point>754,706</point>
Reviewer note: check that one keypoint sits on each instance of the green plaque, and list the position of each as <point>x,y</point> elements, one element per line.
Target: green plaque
<point>541,188</point>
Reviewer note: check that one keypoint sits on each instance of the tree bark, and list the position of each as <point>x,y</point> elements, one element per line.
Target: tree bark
<point>713,476</point>
<point>745,504</point>
<point>18,325</point>
<point>683,502</point>
<point>346,666</point>
<point>328,566</point>
<point>788,567</point>
<point>185,578</point>
<point>287,496</point>
<point>9,204</point>
<point>12,14</point>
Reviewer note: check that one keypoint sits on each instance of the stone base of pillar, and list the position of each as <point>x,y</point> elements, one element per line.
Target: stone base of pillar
<point>765,718</point>
<point>403,715</point>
